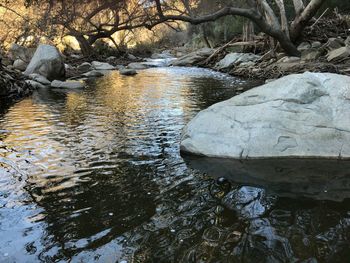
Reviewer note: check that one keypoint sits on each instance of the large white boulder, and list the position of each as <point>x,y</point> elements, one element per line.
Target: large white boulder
<point>47,61</point>
<point>235,59</point>
<point>302,115</point>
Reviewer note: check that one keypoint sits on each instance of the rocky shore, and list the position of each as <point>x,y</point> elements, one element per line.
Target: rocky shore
<point>47,67</point>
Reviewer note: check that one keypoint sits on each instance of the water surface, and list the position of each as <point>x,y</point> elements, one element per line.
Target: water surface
<point>95,175</point>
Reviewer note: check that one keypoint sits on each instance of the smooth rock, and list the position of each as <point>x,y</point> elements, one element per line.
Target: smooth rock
<point>47,61</point>
<point>19,64</point>
<point>137,66</point>
<point>85,67</point>
<point>102,66</point>
<point>316,44</point>
<point>235,59</point>
<point>304,46</point>
<point>40,79</point>
<point>302,115</point>
<point>193,58</point>
<point>70,84</point>
<point>128,72</point>
<point>93,74</point>
<point>338,54</point>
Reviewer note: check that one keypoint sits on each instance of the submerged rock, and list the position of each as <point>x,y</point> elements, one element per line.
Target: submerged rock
<point>246,201</point>
<point>127,72</point>
<point>93,74</point>
<point>35,84</point>
<point>302,115</point>
<point>47,61</point>
<point>70,84</point>
<point>40,79</point>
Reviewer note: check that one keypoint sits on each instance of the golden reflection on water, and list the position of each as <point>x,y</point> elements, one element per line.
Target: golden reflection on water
<point>76,107</point>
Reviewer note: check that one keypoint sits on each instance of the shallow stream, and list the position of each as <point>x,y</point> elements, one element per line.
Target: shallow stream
<point>95,175</point>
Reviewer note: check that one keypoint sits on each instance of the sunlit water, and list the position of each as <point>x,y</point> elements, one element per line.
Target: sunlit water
<point>96,176</point>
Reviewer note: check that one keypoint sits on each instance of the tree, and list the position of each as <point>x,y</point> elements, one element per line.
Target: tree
<point>89,20</point>
<point>261,12</point>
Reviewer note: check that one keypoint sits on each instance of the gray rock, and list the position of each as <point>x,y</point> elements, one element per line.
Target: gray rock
<point>40,79</point>
<point>68,67</point>
<point>70,84</point>
<point>193,58</point>
<point>235,59</point>
<point>128,72</point>
<point>338,54</point>
<point>334,43</point>
<point>75,56</point>
<point>137,66</point>
<point>310,54</point>
<point>19,64</point>
<point>93,74</point>
<point>304,46</point>
<point>101,66</point>
<point>316,44</point>
<point>19,52</point>
<point>34,84</point>
<point>163,55</point>
<point>47,61</point>
<point>246,201</point>
<point>85,67</point>
<point>302,115</point>
<point>289,60</point>
<point>131,57</point>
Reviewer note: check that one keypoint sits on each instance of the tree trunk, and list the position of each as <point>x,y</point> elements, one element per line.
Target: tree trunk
<point>205,37</point>
<point>301,21</point>
<point>284,20</point>
<point>85,46</point>
<point>298,6</point>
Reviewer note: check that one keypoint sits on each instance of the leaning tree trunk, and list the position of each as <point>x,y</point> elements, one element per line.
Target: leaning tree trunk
<point>85,46</point>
